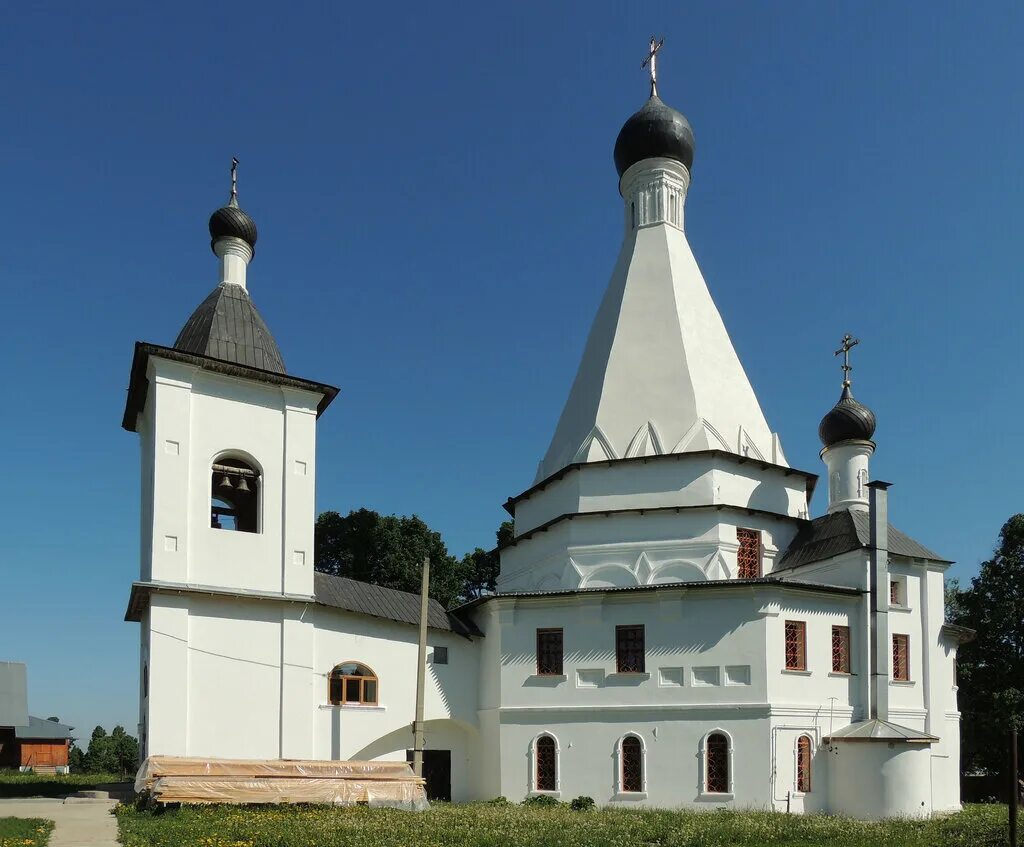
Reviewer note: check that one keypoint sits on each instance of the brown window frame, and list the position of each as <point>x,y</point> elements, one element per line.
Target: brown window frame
<point>546,764</point>
<point>716,763</point>
<point>750,554</point>
<point>841,649</point>
<point>546,664</point>
<point>338,683</point>
<point>901,658</point>
<point>804,750</point>
<point>631,773</point>
<point>796,645</point>
<point>626,653</point>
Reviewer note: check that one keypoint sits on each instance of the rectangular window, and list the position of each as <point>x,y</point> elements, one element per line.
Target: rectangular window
<point>440,656</point>
<point>549,652</point>
<point>840,649</point>
<point>901,657</point>
<point>629,649</point>
<point>796,646</point>
<point>894,592</point>
<point>352,690</point>
<point>748,557</point>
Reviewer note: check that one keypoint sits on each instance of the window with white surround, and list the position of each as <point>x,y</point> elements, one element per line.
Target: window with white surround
<point>545,763</point>
<point>234,495</point>
<point>804,748</point>
<point>632,772</point>
<point>716,752</point>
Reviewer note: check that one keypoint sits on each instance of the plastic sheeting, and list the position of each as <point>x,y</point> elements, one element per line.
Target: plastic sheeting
<point>172,779</point>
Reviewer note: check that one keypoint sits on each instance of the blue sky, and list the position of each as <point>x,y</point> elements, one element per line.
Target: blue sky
<point>438,219</point>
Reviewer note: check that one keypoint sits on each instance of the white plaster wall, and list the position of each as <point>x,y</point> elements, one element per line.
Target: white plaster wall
<point>870,780</point>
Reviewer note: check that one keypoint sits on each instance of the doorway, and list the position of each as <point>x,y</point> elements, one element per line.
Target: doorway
<point>437,771</point>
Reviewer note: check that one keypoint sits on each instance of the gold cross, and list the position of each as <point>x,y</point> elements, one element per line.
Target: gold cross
<point>849,342</point>
<point>652,60</point>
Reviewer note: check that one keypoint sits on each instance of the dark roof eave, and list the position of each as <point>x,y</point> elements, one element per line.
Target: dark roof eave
<point>718,507</point>
<point>138,384</point>
<point>765,581</point>
<point>957,633</point>
<point>810,478</point>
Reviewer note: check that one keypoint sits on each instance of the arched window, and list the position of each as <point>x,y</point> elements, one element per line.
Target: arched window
<point>716,764</point>
<point>234,496</point>
<point>545,753</point>
<point>352,684</point>
<point>631,766</point>
<point>803,764</point>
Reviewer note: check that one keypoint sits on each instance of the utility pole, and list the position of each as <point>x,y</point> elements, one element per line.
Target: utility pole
<point>421,670</point>
<point>1013,782</point>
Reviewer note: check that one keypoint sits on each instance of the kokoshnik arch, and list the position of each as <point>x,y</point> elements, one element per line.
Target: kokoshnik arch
<point>670,626</point>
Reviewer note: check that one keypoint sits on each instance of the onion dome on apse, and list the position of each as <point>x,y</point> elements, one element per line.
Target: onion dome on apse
<point>656,130</point>
<point>849,419</point>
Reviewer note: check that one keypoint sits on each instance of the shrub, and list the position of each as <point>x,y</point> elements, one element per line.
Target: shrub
<point>540,800</point>
<point>582,804</point>
<point>497,801</point>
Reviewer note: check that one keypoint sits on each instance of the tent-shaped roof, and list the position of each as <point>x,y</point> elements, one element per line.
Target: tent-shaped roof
<point>877,729</point>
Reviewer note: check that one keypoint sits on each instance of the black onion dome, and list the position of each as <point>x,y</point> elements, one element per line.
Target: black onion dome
<point>227,326</point>
<point>847,420</point>
<point>231,221</point>
<point>656,130</point>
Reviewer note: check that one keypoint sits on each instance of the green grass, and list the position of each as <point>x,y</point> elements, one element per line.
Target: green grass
<point>16,784</point>
<point>483,825</point>
<point>24,832</point>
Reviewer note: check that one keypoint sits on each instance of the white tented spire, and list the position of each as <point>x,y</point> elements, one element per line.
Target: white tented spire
<point>659,373</point>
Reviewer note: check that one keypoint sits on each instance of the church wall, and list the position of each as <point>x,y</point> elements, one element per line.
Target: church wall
<point>907,700</point>
<point>169,696</point>
<point>871,780</point>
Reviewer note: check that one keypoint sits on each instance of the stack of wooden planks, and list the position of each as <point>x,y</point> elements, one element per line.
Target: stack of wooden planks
<point>179,779</point>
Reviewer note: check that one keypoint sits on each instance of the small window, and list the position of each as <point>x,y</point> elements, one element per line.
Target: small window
<point>840,649</point>
<point>145,680</point>
<point>716,764</point>
<point>894,593</point>
<point>901,657</point>
<point>234,498</point>
<point>803,764</point>
<point>632,764</point>
<point>796,646</point>
<point>748,557</point>
<point>440,656</point>
<point>629,649</point>
<point>547,764</point>
<point>352,684</point>
<point>549,652</point>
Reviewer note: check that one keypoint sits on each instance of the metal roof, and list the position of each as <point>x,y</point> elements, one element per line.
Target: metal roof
<point>13,694</point>
<point>41,728</point>
<point>387,603</point>
<point>227,326</point>
<point>843,531</point>
<point>138,384</point>
<point>760,582</point>
<point>877,729</point>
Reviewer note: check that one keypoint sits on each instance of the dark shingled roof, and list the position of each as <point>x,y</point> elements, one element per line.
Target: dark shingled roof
<point>387,603</point>
<point>841,532</point>
<point>40,728</point>
<point>227,326</point>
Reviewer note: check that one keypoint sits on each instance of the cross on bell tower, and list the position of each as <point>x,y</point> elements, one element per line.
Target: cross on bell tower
<point>652,61</point>
<point>849,342</point>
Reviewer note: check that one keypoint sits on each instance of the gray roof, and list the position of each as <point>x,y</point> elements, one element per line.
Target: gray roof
<point>42,728</point>
<point>387,603</point>
<point>703,584</point>
<point>13,694</point>
<point>843,531</point>
<point>227,326</point>
<point>877,729</point>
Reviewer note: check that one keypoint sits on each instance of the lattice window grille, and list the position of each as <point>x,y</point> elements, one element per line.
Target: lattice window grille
<point>840,649</point>
<point>803,764</point>
<point>547,764</point>
<point>796,646</point>
<point>632,764</point>
<point>901,657</point>
<point>748,557</point>
<point>716,764</point>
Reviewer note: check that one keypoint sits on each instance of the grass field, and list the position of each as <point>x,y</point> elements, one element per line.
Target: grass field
<point>24,832</point>
<point>486,825</point>
<point>15,784</point>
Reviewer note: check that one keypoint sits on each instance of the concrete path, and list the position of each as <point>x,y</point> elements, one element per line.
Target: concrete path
<point>85,823</point>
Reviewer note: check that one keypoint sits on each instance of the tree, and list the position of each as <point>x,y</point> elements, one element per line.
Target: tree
<point>114,753</point>
<point>387,550</point>
<point>990,669</point>
<point>481,566</point>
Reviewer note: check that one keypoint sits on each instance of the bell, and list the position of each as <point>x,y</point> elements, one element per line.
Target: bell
<point>225,482</point>
<point>243,485</point>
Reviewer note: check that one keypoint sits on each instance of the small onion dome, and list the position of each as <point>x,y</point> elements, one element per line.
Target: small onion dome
<point>231,221</point>
<point>656,130</point>
<point>847,420</point>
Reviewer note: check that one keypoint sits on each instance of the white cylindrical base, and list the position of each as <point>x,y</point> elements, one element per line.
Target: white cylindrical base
<point>848,474</point>
<point>235,256</point>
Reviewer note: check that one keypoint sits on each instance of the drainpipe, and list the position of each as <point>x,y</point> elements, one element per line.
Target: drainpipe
<point>879,597</point>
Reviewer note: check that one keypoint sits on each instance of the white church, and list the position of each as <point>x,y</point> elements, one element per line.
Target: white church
<point>670,628</point>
